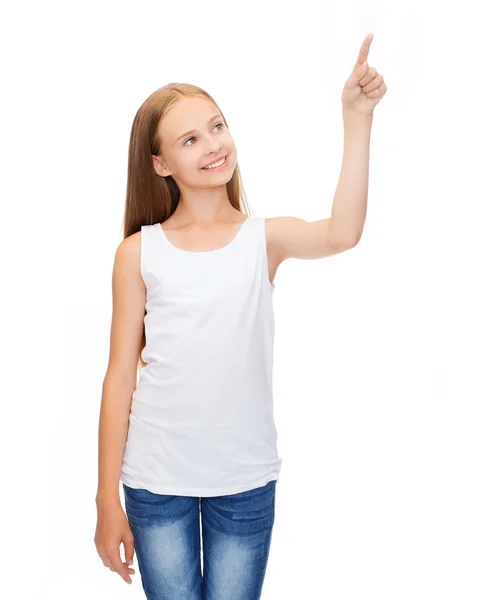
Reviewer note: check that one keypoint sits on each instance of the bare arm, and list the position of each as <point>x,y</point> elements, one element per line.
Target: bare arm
<point>128,291</point>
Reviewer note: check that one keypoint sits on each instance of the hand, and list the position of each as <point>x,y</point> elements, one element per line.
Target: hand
<point>112,529</point>
<point>365,87</point>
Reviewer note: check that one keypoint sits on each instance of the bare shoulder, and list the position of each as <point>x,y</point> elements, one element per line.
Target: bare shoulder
<point>131,243</point>
<point>127,256</point>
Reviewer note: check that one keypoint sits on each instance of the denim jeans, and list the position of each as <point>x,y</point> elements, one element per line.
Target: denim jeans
<point>236,531</point>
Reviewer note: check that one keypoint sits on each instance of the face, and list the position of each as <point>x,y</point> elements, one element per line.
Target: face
<point>194,134</point>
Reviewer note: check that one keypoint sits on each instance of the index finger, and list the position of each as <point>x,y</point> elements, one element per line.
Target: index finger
<point>363,54</point>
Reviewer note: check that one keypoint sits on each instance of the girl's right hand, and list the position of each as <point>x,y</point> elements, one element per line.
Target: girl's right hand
<point>112,530</point>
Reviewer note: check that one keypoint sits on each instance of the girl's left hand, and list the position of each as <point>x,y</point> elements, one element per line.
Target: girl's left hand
<point>365,87</point>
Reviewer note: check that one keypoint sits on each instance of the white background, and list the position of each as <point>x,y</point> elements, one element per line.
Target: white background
<point>376,369</point>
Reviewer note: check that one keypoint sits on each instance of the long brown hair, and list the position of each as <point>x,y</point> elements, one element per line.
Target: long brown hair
<point>151,198</point>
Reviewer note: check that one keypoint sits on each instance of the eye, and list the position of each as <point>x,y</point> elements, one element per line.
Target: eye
<point>192,138</point>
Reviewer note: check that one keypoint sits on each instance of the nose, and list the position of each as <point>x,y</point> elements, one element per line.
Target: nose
<point>213,149</point>
<point>213,145</point>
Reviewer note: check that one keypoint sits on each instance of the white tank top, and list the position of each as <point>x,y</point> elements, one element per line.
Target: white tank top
<point>201,421</point>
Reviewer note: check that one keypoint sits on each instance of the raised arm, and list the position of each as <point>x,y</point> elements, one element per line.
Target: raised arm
<point>291,237</point>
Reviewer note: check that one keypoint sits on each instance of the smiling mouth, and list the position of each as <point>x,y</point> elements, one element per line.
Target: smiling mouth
<point>222,164</point>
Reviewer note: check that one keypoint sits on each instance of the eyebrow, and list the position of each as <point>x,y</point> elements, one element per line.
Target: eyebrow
<point>194,130</point>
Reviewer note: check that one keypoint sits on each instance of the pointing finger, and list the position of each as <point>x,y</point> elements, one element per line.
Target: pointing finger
<point>365,47</point>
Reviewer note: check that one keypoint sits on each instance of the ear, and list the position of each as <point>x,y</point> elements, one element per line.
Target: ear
<point>159,166</point>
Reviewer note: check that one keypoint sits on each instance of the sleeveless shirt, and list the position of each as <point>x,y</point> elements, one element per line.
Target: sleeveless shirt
<point>201,421</point>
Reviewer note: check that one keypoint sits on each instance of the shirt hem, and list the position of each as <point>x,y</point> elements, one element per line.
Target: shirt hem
<point>201,492</point>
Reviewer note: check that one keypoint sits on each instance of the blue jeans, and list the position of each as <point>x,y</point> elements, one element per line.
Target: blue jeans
<point>236,534</point>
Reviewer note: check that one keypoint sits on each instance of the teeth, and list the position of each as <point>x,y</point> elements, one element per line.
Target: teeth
<point>217,164</point>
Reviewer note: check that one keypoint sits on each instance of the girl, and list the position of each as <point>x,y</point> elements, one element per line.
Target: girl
<point>194,442</point>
